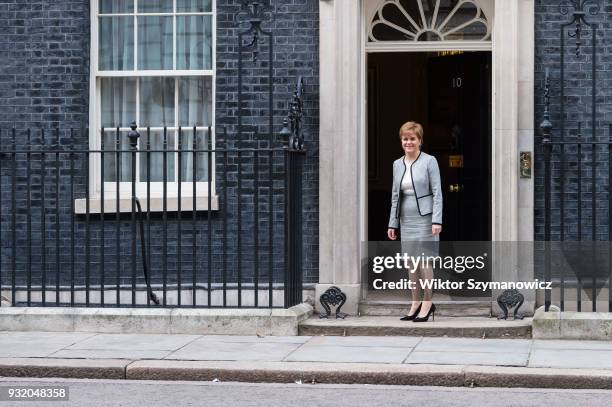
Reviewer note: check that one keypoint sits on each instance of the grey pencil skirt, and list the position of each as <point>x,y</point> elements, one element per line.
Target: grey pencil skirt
<point>415,230</point>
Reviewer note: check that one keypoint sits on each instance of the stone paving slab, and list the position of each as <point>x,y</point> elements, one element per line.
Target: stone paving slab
<point>368,341</point>
<point>110,354</point>
<point>468,358</point>
<point>350,354</point>
<point>571,344</point>
<point>571,358</point>
<point>143,342</point>
<point>205,349</point>
<point>473,345</point>
<point>37,344</point>
<point>255,338</point>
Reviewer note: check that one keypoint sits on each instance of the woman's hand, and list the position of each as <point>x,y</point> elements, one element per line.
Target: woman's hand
<point>392,234</point>
<point>436,229</point>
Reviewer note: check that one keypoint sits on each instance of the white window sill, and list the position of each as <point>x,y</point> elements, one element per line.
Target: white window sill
<point>157,202</point>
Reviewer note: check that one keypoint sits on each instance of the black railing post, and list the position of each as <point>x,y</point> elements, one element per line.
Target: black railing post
<point>87,156</point>
<point>57,217</point>
<point>14,218</point>
<point>29,216</point>
<point>293,220</point>
<point>546,129</point>
<point>179,216</point>
<point>209,175</point>
<point>288,255</point>
<point>43,228</point>
<point>1,212</point>
<point>609,216</point>
<point>118,156</point>
<point>194,253</point>
<point>133,135</point>
<point>294,159</point>
<point>102,228</point>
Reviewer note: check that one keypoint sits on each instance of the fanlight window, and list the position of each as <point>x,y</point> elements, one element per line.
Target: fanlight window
<point>429,20</point>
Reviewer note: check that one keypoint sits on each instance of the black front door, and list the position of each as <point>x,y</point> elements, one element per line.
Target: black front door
<point>459,135</point>
<point>450,95</point>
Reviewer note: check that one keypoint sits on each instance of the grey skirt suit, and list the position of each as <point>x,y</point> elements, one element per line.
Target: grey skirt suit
<point>415,213</point>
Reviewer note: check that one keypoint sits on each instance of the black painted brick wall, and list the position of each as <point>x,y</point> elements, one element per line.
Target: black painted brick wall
<point>44,49</point>
<point>44,46</point>
<point>295,30</point>
<point>578,106</point>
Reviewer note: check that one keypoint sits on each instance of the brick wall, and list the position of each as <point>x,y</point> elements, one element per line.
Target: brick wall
<point>44,76</point>
<point>578,106</point>
<point>44,48</point>
<point>295,29</point>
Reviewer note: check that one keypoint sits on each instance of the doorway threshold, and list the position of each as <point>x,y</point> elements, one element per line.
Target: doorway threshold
<point>397,303</point>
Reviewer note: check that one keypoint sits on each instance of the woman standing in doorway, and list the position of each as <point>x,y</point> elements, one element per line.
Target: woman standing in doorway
<point>416,209</point>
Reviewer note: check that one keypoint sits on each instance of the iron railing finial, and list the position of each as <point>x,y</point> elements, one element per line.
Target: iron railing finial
<point>546,126</point>
<point>133,135</point>
<point>292,124</point>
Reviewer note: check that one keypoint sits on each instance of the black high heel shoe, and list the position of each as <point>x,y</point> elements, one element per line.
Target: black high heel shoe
<point>431,311</point>
<point>411,317</point>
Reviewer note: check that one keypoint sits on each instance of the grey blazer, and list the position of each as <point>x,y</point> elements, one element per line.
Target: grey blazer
<point>425,176</point>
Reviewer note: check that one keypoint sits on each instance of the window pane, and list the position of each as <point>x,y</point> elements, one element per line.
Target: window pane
<point>155,6</point>
<point>156,167</point>
<point>187,157</point>
<point>116,44</point>
<point>156,101</point>
<point>193,42</point>
<point>154,42</point>
<point>111,156</point>
<point>195,101</point>
<point>193,6</point>
<point>118,101</point>
<point>116,6</point>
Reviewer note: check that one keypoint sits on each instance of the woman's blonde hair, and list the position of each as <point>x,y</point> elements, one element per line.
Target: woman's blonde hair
<point>412,127</point>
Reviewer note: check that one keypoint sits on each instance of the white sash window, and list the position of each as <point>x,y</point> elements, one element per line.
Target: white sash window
<point>152,61</point>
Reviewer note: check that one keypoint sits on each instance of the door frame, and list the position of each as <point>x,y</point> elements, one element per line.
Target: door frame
<point>368,10</point>
<point>342,141</point>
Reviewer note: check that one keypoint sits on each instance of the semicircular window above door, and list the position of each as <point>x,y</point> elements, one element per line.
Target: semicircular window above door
<point>430,20</point>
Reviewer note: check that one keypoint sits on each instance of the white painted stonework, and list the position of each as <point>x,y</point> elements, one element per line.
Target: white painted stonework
<point>342,161</point>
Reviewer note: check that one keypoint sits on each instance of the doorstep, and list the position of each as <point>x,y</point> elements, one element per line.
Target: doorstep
<point>469,327</point>
<point>444,308</point>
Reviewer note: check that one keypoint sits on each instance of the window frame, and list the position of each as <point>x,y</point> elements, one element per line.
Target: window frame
<point>156,188</point>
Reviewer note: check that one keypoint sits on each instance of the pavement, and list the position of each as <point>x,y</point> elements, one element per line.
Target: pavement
<point>413,360</point>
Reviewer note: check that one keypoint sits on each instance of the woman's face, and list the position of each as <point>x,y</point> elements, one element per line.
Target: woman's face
<point>410,143</point>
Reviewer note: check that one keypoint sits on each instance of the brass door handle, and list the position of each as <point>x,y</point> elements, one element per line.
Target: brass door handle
<point>455,187</point>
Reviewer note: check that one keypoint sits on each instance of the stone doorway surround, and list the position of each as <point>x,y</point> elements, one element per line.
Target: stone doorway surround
<point>343,155</point>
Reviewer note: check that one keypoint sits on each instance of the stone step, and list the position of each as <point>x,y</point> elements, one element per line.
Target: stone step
<point>469,327</point>
<point>443,308</point>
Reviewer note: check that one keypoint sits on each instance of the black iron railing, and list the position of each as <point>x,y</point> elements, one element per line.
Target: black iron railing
<point>78,227</point>
<point>73,217</point>
<point>577,163</point>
